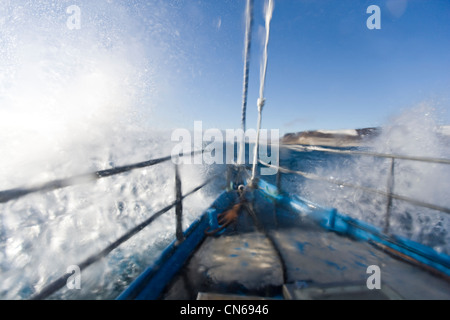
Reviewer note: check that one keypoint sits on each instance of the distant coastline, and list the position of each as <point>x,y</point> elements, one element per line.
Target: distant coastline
<point>340,138</point>
<point>333,138</point>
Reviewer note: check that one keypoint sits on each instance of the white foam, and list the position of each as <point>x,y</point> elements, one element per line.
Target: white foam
<point>67,104</point>
<point>414,132</point>
<point>444,130</point>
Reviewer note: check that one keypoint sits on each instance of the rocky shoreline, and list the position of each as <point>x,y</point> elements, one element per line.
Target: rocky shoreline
<point>345,138</point>
<point>337,138</point>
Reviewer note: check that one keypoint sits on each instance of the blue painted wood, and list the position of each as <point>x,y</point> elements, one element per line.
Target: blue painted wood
<point>171,262</point>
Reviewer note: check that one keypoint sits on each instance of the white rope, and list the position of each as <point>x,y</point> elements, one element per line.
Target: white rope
<point>268,11</point>
<point>248,38</point>
<point>261,100</point>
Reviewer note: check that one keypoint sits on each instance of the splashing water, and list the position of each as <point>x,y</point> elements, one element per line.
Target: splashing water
<point>61,90</point>
<point>70,103</point>
<point>415,133</point>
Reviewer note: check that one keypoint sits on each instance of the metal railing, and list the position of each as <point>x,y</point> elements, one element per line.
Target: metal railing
<point>366,153</point>
<point>57,284</point>
<point>390,183</point>
<point>12,194</point>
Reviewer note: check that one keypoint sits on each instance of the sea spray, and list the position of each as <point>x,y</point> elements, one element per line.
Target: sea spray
<point>414,132</point>
<point>74,101</point>
<point>63,92</point>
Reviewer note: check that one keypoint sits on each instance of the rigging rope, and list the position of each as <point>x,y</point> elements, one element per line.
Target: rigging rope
<point>248,41</point>
<point>261,100</point>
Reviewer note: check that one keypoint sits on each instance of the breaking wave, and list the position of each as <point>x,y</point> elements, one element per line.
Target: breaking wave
<point>415,132</point>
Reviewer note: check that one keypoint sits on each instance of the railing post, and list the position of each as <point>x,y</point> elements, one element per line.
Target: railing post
<point>275,201</point>
<point>332,220</point>
<point>390,187</point>
<point>229,176</point>
<point>279,181</point>
<point>179,206</point>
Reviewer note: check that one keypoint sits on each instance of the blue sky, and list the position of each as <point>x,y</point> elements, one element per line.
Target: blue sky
<point>327,70</point>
